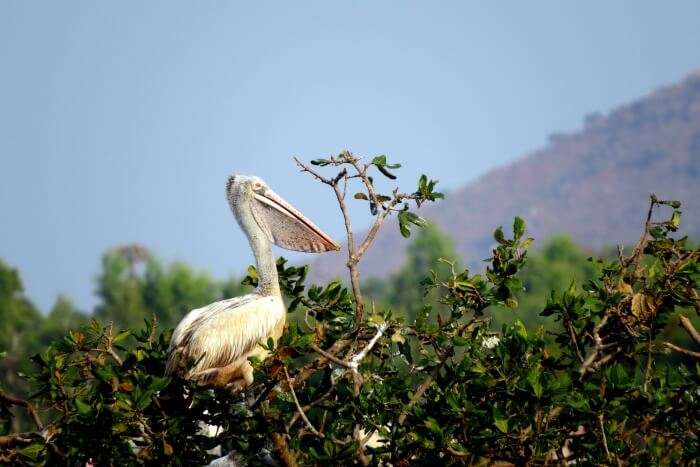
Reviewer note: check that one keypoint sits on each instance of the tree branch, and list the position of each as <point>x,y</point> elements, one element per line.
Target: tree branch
<point>9,399</point>
<point>352,257</point>
<point>301,411</point>
<point>690,329</point>
<point>683,351</point>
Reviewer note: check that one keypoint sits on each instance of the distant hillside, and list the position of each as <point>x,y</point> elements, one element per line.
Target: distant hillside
<point>592,184</point>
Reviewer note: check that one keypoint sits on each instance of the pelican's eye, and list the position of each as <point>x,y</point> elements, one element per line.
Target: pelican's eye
<point>257,186</point>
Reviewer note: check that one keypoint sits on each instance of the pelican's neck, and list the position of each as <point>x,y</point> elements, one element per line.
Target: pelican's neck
<point>268,282</point>
<point>262,248</point>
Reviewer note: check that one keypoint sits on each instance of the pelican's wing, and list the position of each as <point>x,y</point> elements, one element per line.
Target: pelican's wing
<point>220,333</point>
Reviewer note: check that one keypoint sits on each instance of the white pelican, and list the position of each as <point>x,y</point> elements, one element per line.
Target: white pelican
<point>221,336</point>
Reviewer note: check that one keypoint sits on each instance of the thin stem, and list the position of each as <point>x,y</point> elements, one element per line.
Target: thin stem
<point>331,357</point>
<point>301,411</point>
<point>690,329</point>
<point>683,351</point>
<point>9,399</point>
<point>352,256</point>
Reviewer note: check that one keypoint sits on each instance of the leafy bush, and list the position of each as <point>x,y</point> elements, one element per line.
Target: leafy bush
<point>348,383</point>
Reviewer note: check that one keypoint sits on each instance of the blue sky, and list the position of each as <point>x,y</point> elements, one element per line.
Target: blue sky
<point>119,122</point>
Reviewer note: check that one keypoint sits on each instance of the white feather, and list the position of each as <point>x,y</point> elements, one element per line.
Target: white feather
<point>221,333</point>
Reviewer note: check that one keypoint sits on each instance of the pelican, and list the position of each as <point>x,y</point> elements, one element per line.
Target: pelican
<point>220,337</point>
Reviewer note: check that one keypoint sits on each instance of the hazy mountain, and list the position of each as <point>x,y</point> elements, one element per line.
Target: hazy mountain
<point>593,184</point>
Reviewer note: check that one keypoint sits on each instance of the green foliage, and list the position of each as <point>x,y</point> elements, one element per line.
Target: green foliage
<point>118,409</point>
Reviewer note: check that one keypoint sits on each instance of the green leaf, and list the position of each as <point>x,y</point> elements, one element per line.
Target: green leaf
<point>501,424</point>
<point>121,336</point>
<point>518,227</point>
<point>33,450</point>
<point>433,426</point>
<point>321,162</point>
<point>386,173</point>
<point>379,160</point>
<point>498,235</point>
<point>361,196</point>
<point>675,219</point>
<point>83,408</point>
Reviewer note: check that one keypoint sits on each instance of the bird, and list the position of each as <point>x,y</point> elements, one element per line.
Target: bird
<point>221,336</point>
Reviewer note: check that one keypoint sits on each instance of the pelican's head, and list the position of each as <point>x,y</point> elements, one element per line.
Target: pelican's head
<point>257,207</point>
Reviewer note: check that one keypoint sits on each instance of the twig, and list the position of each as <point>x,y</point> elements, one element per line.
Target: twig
<point>301,411</point>
<point>692,332</point>
<point>354,362</point>
<point>639,247</point>
<point>352,257</point>
<point>295,417</point>
<point>9,399</point>
<point>602,432</point>
<point>331,357</point>
<point>17,438</point>
<point>683,351</point>
<point>108,343</point>
<point>696,299</point>
<point>647,371</point>
<point>454,452</point>
<point>572,335</point>
<point>309,369</point>
<point>598,345</point>
<point>416,397</point>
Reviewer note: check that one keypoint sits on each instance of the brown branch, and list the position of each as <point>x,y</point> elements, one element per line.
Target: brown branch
<point>572,335</point>
<point>296,402</point>
<point>602,432</point>
<point>455,453</point>
<point>416,397</point>
<point>310,368</point>
<point>696,299</point>
<point>331,357</point>
<point>599,347</point>
<point>683,351</point>
<point>690,329</point>
<point>352,257</point>
<point>17,438</point>
<point>28,407</point>
<point>639,247</point>
<point>307,407</point>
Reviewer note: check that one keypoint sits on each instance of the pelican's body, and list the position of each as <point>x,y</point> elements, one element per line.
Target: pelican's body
<point>220,337</point>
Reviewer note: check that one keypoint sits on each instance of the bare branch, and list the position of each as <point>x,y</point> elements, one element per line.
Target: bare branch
<point>310,368</point>
<point>639,247</point>
<point>456,453</point>
<point>683,351</point>
<point>17,438</point>
<point>602,432</point>
<point>318,176</point>
<point>416,397</point>
<point>352,258</point>
<point>690,329</point>
<point>599,347</point>
<point>301,411</point>
<point>331,357</point>
<point>306,408</point>
<point>9,399</point>
<point>354,362</point>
